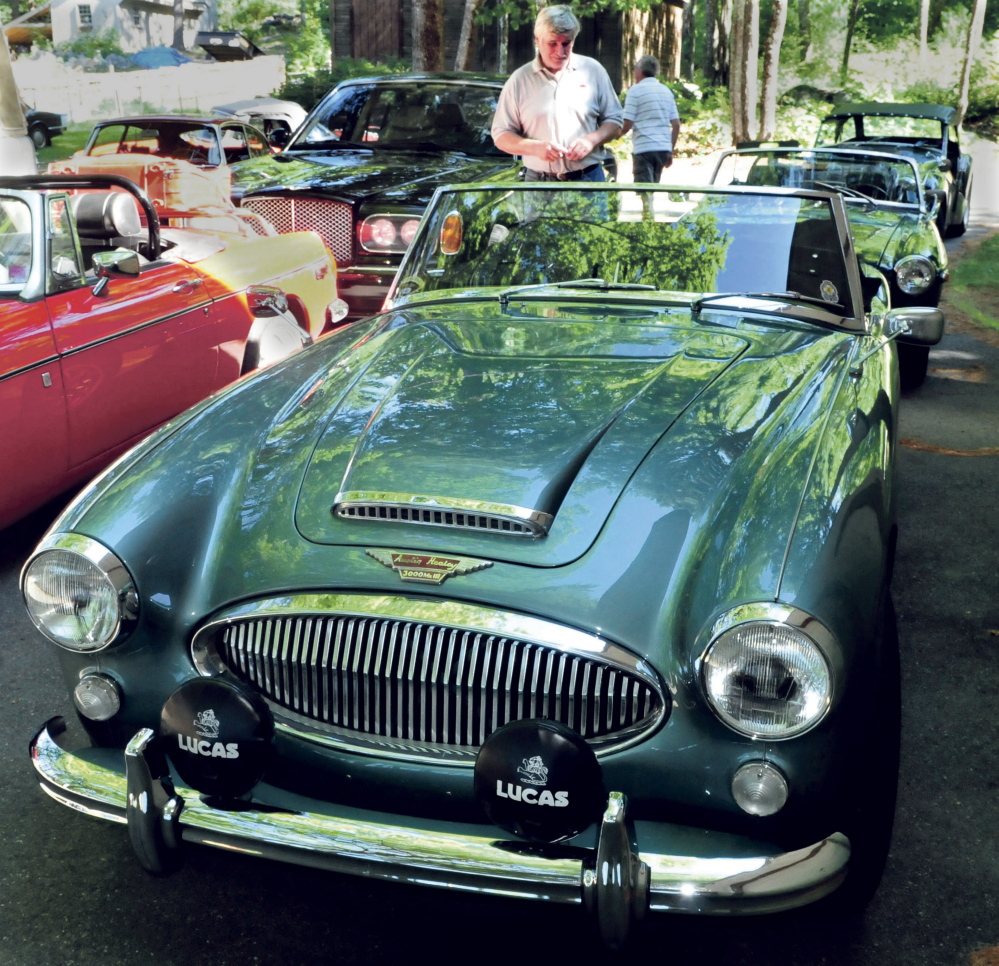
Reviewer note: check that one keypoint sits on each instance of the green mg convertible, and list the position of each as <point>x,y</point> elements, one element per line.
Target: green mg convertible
<point>566,576</point>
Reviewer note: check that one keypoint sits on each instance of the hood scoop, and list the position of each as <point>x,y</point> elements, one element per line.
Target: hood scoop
<point>501,438</point>
<point>435,511</point>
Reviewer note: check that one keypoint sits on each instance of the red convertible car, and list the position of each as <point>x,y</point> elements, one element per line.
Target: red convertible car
<point>110,325</point>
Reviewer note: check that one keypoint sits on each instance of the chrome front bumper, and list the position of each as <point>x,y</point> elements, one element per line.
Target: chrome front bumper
<point>456,857</point>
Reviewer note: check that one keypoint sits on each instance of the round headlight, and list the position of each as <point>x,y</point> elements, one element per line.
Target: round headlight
<point>381,232</point>
<point>915,274</point>
<point>78,593</point>
<point>766,679</point>
<point>408,231</point>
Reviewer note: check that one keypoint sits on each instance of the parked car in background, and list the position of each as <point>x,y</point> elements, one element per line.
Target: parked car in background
<point>890,218</point>
<point>567,577</point>
<point>214,142</point>
<point>927,133</point>
<point>365,163</point>
<point>276,118</point>
<point>108,327</point>
<point>44,125</point>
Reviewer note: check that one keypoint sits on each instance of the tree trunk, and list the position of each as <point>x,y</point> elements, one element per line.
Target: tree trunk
<point>502,43</point>
<point>737,75</point>
<point>851,26</point>
<point>970,51</point>
<point>428,35</point>
<point>178,25</point>
<point>687,41</point>
<point>716,42</point>
<point>771,57</point>
<point>805,28</point>
<point>745,60</point>
<point>332,6</point>
<point>463,58</point>
<point>924,30</point>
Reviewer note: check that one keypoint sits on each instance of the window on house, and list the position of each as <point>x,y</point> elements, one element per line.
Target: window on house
<point>86,19</point>
<point>136,18</point>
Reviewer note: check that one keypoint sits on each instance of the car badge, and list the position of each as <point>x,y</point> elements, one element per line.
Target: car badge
<point>206,724</point>
<point>427,568</point>
<point>533,771</point>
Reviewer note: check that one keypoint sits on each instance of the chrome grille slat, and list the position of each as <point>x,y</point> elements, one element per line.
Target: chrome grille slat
<point>333,220</point>
<point>436,687</point>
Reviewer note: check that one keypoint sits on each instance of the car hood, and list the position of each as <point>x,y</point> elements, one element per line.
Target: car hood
<point>874,230</point>
<point>396,177</point>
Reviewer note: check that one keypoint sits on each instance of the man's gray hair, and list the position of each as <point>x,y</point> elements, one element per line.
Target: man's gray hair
<point>556,19</point>
<point>648,65</point>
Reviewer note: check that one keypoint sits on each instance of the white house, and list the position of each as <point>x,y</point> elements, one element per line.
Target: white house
<point>135,23</point>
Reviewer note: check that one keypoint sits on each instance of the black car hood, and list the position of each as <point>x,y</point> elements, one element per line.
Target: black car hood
<point>395,177</point>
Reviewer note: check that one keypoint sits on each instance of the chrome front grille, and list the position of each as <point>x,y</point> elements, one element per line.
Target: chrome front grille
<point>422,688</point>
<point>333,220</point>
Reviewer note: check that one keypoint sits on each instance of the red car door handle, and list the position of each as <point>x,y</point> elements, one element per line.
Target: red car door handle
<point>186,285</point>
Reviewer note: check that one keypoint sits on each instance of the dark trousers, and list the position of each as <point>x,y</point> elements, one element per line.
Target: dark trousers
<point>648,166</point>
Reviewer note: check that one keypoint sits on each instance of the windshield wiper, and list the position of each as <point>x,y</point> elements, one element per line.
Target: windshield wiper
<point>597,283</point>
<point>695,306</point>
<point>843,190</point>
<point>327,144</point>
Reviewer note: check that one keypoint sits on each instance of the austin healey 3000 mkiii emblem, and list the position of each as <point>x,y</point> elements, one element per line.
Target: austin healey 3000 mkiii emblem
<point>427,568</point>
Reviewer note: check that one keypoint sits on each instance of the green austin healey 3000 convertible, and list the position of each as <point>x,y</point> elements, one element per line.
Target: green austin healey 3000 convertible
<point>567,576</point>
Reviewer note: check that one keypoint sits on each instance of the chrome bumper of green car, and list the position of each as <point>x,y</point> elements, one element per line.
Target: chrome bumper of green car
<point>457,857</point>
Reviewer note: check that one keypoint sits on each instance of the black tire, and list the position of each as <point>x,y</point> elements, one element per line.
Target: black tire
<point>39,137</point>
<point>942,216</point>
<point>870,811</point>
<point>961,227</point>
<point>913,362</point>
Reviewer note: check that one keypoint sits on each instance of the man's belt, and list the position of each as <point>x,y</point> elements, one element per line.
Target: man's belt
<point>564,176</point>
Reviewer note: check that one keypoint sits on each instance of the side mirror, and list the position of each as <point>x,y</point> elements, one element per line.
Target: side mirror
<point>120,261</point>
<point>944,164</point>
<point>916,325</point>
<point>279,137</point>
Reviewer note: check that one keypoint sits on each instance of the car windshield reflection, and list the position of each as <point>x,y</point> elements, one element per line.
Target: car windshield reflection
<point>430,117</point>
<point>688,242</point>
<point>858,176</point>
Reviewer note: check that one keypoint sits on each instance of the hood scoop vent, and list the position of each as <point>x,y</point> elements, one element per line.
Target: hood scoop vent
<point>433,511</point>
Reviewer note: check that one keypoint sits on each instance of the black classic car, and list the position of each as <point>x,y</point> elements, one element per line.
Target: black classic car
<point>927,133</point>
<point>43,125</point>
<point>365,163</point>
<point>891,214</point>
<point>567,577</point>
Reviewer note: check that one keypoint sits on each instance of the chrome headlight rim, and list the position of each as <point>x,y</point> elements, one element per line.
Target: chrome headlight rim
<point>799,621</point>
<point>112,569</point>
<point>915,274</point>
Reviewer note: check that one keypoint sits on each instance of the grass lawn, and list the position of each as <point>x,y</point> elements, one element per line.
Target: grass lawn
<point>64,145</point>
<point>973,287</point>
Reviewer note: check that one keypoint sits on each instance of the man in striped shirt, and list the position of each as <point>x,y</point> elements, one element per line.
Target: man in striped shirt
<point>650,114</point>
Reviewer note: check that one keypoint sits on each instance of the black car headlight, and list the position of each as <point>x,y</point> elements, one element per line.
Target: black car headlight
<point>764,676</point>
<point>390,234</point>
<point>78,593</point>
<point>915,274</point>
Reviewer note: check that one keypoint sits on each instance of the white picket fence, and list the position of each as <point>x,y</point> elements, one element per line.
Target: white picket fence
<point>49,85</point>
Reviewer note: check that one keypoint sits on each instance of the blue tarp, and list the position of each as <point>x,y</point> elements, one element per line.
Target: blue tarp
<point>159,57</point>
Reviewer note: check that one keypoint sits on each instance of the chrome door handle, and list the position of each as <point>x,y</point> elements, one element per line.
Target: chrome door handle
<point>186,285</point>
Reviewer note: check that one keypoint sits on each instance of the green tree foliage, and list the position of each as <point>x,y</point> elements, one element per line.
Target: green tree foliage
<point>525,11</point>
<point>247,16</point>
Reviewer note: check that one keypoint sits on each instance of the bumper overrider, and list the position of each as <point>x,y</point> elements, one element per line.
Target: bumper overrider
<point>613,881</point>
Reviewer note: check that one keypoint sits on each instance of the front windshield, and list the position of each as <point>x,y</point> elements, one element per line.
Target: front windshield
<point>859,176</point>
<point>874,127</point>
<point>667,240</point>
<point>181,140</point>
<point>441,117</point>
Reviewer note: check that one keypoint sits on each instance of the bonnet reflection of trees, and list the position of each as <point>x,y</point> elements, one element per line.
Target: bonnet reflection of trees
<point>540,237</point>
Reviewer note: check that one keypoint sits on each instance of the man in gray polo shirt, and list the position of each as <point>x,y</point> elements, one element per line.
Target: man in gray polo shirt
<point>559,110</point>
<point>650,114</point>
